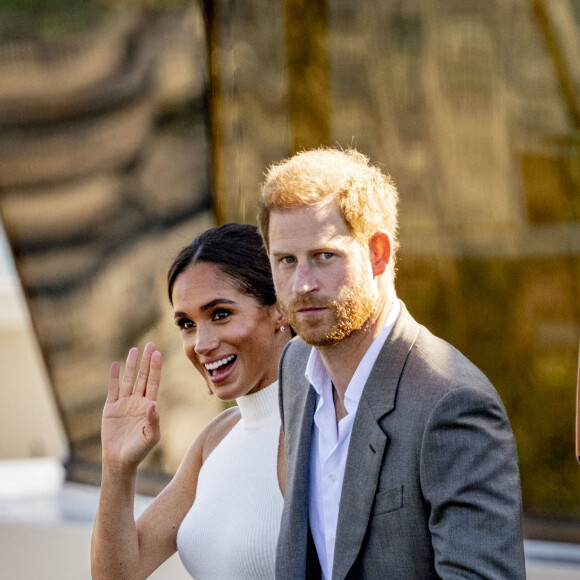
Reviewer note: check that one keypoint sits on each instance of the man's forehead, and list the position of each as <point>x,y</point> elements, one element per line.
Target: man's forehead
<point>326,211</point>
<point>300,230</point>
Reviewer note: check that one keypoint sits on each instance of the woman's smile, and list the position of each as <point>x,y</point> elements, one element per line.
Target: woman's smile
<point>221,369</point>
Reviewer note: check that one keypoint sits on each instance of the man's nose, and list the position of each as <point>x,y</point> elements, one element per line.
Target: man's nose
<point>304,280</point>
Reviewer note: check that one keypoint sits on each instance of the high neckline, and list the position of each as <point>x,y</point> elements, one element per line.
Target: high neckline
<point>259,407</point>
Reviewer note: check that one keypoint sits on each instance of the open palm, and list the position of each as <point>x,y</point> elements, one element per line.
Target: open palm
<point>130,427</point>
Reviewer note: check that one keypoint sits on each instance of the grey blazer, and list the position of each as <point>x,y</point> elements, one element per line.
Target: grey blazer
<point>431,486</point>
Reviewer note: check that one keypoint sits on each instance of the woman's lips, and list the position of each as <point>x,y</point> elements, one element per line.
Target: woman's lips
<point>222,372</point>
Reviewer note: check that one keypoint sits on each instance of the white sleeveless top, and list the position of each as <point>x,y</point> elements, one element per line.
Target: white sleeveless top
<point>231,530</point>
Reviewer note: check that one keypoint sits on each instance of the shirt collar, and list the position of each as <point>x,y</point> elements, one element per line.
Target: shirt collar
<point>317,376</point>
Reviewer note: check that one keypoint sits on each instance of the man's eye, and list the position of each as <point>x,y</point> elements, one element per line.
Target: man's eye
<point>185,323</point>
<point>287,260</point>
<point>327,255</point>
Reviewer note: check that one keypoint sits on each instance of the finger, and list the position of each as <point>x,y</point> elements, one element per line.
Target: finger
<point>141,381</point>
<point>154,378</point>
<point>113,393</point>
<point>129,374</point>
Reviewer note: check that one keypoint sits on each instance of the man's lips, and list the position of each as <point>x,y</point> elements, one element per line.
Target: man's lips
<point>312,310</point>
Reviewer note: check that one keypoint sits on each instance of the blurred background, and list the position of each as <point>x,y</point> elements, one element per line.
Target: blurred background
<point>127,128</point>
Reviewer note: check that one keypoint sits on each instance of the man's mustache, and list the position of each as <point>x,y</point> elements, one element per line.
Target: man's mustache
<point>304,304</point>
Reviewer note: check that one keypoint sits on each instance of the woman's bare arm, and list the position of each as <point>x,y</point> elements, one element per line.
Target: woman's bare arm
<point>122,548</point>
<point>130,429</point>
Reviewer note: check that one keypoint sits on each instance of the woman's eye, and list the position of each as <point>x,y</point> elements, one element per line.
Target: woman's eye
<point>327,255</point>
<point>287,260</point>
<point>220,314</point>
<point>185,323</point>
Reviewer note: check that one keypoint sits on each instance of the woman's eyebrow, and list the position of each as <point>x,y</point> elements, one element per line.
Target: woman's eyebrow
<point>207,306</point>
<point>215,302</point>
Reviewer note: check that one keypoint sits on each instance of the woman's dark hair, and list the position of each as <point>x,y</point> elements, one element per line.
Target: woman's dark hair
<point>238,251</point>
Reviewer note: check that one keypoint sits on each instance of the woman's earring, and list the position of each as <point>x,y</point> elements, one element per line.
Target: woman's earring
<point>282,328</point>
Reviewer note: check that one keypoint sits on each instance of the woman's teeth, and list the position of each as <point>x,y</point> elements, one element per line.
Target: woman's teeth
<point>219,363</point>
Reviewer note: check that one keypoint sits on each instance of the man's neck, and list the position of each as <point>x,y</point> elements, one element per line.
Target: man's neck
<point>342,359</point>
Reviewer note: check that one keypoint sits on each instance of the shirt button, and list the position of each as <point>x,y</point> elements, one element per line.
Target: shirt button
<point>332,541</point>
<point>332,477</point>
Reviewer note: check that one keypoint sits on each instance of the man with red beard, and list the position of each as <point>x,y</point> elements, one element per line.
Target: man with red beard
<point>401,459</point>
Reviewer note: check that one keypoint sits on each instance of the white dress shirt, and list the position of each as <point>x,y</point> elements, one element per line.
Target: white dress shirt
<point>329,447</point>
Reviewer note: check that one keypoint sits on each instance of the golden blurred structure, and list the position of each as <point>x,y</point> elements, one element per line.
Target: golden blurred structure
<point>120,142</point>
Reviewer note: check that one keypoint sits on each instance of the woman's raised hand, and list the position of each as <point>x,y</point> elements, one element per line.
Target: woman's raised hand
<point>130,427</point>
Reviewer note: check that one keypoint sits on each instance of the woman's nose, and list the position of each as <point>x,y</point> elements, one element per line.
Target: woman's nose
<point>205,340</point>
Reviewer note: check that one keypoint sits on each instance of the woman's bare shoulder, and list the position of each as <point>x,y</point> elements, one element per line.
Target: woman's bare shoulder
<point>215,431</point>
<point>211,436</point>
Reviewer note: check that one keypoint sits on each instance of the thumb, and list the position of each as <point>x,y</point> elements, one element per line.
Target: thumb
<point>151,429</point>
<point>151,414</point>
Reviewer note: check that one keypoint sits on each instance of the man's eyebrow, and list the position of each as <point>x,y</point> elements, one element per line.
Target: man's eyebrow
<point>207,306</point>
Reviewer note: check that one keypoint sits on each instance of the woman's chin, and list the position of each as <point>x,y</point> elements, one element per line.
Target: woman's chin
<point>225,393</point>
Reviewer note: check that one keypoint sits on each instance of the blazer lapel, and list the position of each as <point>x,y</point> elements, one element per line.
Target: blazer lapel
<point>292,552</point>
<point>368,444</point>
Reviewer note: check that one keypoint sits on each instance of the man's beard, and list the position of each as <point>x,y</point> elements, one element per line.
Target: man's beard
<point>349,313</point>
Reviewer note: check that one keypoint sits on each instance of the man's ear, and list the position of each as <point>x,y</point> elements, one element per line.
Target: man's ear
<point>380,252</point>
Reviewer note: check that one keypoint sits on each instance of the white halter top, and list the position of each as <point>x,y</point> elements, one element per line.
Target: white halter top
<point>231,530</point>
